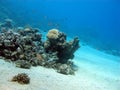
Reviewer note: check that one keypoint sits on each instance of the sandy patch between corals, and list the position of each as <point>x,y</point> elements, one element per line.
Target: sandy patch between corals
<point>93,74</point>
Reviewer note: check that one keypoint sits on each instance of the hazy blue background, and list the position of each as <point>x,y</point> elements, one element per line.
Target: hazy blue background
<point>96,22</point>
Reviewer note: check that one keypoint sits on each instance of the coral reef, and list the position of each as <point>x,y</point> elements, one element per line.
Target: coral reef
<point>6,25</point>
<point>24,47</point>
<point>23,64</point>
<point>21,78</point>
<point>57,43</point>
<point>15,46</point>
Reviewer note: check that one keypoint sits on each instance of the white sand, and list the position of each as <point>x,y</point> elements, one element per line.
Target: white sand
<point>97,71</point>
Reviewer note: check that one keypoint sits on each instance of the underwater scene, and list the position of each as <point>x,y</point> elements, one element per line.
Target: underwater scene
<point>59,45</point>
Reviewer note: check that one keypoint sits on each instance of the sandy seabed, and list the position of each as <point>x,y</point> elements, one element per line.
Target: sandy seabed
<point>97,71</point>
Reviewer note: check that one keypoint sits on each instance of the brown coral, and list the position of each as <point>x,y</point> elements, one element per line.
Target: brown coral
<point>21,78</point>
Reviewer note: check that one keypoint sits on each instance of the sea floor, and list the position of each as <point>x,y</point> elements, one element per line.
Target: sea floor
<point>97,71</point>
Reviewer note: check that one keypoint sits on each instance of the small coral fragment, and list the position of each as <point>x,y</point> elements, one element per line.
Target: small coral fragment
<point>21,78</point>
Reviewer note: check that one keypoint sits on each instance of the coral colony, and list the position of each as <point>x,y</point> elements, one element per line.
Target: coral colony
<point>24,47</point>
<point>21,78</point>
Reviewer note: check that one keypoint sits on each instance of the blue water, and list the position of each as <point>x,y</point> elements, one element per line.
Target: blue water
<point>96,22</point>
